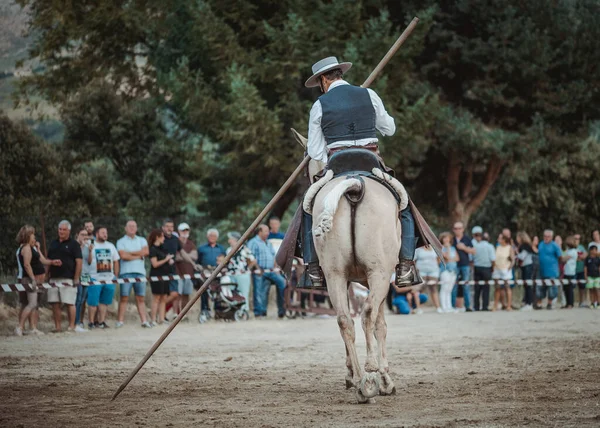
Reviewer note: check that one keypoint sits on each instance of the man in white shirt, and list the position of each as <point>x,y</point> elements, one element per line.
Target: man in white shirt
<point>348,116</point>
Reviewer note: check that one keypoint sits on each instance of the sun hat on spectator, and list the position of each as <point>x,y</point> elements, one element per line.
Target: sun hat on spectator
<point>476,230</point>
<point>234,235</point>
<point>183,226</point>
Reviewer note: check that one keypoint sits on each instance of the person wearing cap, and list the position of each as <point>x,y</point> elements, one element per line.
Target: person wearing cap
<point>240,266</point>
<point>348,116</point>
<point>185,261</point>
<point>483,261</point>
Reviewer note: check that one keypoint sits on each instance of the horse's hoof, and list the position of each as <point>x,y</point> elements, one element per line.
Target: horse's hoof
<point>362,399</point>
<point>369,385</point>
<point>387,385</point>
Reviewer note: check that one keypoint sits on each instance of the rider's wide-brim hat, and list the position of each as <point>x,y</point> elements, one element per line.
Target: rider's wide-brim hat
<point>324,66</point>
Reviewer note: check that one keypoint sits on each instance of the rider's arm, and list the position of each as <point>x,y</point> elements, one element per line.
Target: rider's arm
<point>316,146</point>
<point>383,121</point>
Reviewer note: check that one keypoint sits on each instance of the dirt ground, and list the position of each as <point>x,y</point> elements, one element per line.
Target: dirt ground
<point>537,368</point>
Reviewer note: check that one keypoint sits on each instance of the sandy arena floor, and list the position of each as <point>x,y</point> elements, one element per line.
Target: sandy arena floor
<point>495,369</point>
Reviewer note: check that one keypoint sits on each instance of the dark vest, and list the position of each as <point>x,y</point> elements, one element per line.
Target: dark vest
<point>348,114</point>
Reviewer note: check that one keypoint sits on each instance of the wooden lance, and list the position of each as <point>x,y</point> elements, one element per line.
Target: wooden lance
<point>257,221</point>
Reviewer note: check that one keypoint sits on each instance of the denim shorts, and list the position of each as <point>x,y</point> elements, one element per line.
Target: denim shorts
<point>139,288</point>
<point>185,287</point>
<point>174,286</point>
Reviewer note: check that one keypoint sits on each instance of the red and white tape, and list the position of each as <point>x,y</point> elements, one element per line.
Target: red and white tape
<point>7,288</point>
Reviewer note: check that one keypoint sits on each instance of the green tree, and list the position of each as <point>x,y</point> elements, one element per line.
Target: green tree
<point>37,180</point>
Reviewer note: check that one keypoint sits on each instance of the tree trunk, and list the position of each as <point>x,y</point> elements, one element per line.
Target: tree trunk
<point>464,196</point>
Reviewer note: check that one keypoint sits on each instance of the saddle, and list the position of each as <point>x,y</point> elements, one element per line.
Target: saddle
<point>360,162</point>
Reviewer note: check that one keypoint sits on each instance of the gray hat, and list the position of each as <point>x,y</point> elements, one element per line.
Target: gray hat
<point>476,230</point>
<point>234,235</point>
<point>324,66</point>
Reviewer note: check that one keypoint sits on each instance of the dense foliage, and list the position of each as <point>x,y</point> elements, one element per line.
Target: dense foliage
<point>180,107</point>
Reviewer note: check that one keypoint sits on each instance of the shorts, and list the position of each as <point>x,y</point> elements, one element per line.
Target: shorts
<point>139,288</point>
<point>185,287</point>
<point>66,295</point>
<point>160,287</point>
<point>503,275</point>
<point>174,286</point>
<point>593,282</point>
<point>551,290</point>
<point>430,273</point>
<point>100,294</point>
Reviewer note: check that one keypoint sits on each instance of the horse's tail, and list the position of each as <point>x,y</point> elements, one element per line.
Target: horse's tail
<point>330,204</point>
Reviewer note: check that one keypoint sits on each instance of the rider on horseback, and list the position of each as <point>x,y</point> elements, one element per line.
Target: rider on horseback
<point>347,116</point>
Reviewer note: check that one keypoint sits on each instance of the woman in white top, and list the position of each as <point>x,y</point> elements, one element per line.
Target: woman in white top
<point>505,260</point>
<point>428,264</point>
<point>570,257</point>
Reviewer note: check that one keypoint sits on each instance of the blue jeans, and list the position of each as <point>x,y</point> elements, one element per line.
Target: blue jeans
<point>262,285</point>
<point>81,297</point>
<point>464,274</point>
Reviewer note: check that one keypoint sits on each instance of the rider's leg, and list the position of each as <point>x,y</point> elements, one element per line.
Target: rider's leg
<point>406,271</point>
<point>309,253</point>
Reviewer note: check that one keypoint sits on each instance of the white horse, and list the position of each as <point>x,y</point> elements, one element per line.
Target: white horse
<point>358,243</point>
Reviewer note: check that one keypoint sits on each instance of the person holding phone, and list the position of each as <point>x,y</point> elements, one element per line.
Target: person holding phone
<point>161,262</point>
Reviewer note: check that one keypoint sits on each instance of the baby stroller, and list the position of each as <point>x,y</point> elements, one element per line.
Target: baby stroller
<point>228,302</point>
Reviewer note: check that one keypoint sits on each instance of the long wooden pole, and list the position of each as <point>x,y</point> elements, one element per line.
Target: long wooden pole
<point>391,52</point>
<point>214,274</point>
<point>256,222</point>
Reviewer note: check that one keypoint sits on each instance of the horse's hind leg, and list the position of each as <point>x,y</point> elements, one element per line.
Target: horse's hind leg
<point>338,293</point>
<point>373,306</point>
<point>387,386</point>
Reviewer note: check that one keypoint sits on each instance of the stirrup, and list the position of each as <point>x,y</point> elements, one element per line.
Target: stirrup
<point>407,274</point>
<point>314,281</point>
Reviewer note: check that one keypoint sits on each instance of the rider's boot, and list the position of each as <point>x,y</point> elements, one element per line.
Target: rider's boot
<point>313,275</point>
<point>406,272</point>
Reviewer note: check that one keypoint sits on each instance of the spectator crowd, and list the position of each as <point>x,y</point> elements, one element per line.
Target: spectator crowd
<point>89,256</point>
<point>475,260</point>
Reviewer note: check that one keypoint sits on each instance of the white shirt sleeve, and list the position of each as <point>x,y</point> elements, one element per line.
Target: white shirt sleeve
<point>317,146</point>
<point>383,121</point>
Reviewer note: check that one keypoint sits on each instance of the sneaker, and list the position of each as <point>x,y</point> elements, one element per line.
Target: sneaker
<point>440,311</point>
<point>18,331</point>
<point>146,325</point>
<point>80,329</point>
<point>462,310</point>
<point>549,306</point>
<point>119,324</point>
<point>153,324</point>
<point>526,308</point>
<point>103,325</point>
<point>91,326</point>
<point>36,332</point>
<point>419,311</point>
<point>70,330</point>
<point>595,305</point>
<point>469,310</point>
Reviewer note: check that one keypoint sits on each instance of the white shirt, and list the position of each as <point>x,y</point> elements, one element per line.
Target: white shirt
<point>317,146</point>
<point>103,258</point>
<point>131,245</point>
